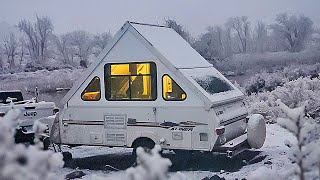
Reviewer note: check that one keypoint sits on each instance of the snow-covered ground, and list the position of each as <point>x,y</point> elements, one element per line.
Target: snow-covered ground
<point>273,155</point>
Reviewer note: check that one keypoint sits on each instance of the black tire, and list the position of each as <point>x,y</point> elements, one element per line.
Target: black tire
<point>182,159</point>
<point>146,144</point>
<point>67,156</point>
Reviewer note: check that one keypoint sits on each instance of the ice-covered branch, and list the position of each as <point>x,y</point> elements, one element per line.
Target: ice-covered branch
<point>18,161</point>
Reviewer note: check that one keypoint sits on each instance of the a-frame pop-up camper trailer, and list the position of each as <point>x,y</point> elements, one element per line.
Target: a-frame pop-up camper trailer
<point>149,86</point>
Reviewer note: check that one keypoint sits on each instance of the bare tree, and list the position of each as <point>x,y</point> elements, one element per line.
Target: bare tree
<point>316,38</point>
<point>261,36</point>
<point>211,44</point>
<point>179,29</point>
<point>44,28</point>
<point>294,30</point>
<point>37,34</point>
<point>83,42</point>
<point>241,25</point>
<point>33,41</point>
<point>1,63</point>
<point>22,49</point>
<point>101,40</point>
<point>10,45</point>
<point>64,48</point>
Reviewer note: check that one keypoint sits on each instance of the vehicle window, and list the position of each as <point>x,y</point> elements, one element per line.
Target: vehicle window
<point>15,95</point>
<point>131,81</point>
<point>171,90</point>
<point>213,85</point>
<point>93,91</point>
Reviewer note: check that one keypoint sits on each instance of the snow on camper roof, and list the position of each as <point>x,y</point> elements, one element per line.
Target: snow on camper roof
<point>172,46</point>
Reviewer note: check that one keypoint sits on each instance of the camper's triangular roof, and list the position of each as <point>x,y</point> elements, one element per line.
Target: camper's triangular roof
<point>172,46</point>
<point>164,39</point>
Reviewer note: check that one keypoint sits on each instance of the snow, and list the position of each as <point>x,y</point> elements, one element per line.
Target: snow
<point>172,46</point>
<point>263,173</point>
<point>274,148</point>
<point>150,166</point>
<point>24,162</point>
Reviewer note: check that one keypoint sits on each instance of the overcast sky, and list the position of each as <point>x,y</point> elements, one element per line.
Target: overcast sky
<point>104,15</point>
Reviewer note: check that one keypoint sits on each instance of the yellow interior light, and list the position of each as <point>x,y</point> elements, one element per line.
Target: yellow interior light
<point>91,95</point>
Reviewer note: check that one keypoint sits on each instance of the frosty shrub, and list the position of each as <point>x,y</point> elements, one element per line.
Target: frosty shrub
<point>46,81</point>
<point>20,162</point>
<point>264,82</point>
<point>268,81</point>
<point>151,166</point>
<point>256,62</point>
<point>306,154</point>
<point>293,93</point>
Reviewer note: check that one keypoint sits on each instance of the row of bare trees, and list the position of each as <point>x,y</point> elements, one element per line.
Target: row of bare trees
<point>37,43</point>
<point>80,43</point>
<point>239,35</point>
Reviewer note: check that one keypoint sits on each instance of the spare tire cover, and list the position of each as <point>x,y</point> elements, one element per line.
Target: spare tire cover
<point>256,131</point>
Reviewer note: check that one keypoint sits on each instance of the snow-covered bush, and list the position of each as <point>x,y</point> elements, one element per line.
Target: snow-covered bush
<point>268,81</point>
<point>255,62</point>
<point>151,166</point>
<point>20,162</point>
<point>264,82</point>
<point>293,93</point>
<point>305,154</point>
<point>46,81</point>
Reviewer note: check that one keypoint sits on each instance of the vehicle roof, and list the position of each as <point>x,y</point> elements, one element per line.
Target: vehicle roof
<point>172,46</point>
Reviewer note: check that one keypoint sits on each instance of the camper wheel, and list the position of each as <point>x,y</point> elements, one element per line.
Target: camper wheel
<point>46,143</point>
<point>67,156</point>
<point>146,143</point>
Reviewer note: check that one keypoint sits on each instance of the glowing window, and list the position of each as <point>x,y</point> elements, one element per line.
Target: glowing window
<point>171,90</point>
<point>92,92</point>
<point>131,81</point>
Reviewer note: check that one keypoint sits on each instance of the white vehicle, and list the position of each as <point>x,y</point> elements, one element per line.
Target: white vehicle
<point>149,86</point>
<point>31,110</point>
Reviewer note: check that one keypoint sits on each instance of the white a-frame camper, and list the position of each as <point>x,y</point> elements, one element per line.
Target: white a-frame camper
<point>149,86</point>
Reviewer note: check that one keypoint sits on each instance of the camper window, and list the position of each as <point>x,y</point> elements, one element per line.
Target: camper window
<point>92,91</point>
<point>131,81</point>
<point>171,90</point>
<point>213,85</point>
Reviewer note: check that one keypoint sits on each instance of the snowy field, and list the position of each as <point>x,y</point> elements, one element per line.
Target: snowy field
<point>272,155</point>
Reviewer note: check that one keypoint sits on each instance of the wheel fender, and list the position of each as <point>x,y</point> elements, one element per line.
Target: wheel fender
<point>146,134</point>
<point>256,131</point>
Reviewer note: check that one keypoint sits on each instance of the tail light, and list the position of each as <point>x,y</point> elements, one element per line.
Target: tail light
<point>2,114</point>
<point>220,130</point>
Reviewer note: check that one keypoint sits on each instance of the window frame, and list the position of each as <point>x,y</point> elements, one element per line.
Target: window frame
<point>82,93</point>
<point>177,85</point>
<point>153,76</point>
